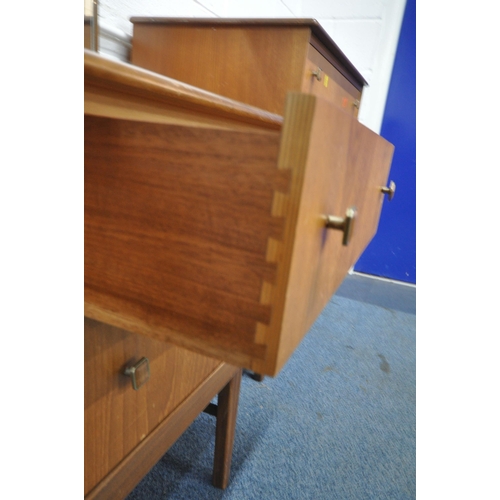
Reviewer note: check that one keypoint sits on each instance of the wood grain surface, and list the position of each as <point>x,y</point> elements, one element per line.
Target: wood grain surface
<point>332,85</point>
<point>118,418</point>
<point>227,410</point>
<point>318,36</point>
<point>252,64</point>
<point>213,238</point>
<point>176,227</point>
<point>335,163</point>
<point>119,90</point>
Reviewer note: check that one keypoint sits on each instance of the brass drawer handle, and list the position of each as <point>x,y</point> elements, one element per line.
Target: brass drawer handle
<point>390,190</point>
<point>317,73</point>
<point>344,224</point>
<point>139,370</point>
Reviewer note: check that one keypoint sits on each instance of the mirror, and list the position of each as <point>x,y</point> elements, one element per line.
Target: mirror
<point>90,25</point>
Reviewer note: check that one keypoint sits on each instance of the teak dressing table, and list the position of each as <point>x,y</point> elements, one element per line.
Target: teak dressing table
<point>229,187</point>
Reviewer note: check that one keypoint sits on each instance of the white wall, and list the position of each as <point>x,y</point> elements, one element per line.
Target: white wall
<point>367,31</point>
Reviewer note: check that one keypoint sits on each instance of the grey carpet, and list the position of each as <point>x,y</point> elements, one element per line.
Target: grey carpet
<point>338,422</point>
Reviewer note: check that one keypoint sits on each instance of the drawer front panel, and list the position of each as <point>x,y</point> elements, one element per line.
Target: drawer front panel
<point>322,79</point>
<point>117,417</point>
<point>337,164</point>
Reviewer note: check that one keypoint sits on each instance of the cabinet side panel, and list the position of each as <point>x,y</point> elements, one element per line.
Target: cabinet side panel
<point>254,65</point>
<point>177,221</point>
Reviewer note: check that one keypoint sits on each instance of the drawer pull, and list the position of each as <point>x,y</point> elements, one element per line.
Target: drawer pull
<point>317,73</point>
<point>139,373</point>
<point>390,190</point>
<point>344,224</point>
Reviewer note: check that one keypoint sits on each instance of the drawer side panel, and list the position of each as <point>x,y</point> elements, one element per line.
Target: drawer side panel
<point>177,221</point>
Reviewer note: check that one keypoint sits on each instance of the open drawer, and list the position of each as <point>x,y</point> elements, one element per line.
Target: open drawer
<point>215,237</point>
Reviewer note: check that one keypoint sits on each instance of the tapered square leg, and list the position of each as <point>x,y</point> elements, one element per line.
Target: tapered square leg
<point>227,409</point>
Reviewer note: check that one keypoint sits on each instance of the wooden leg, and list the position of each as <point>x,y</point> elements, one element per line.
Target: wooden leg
<point>227,409</point>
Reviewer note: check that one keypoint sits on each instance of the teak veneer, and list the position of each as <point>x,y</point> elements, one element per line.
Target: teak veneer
<point>127,431</point>
<point>255,61</point>
<point>214,174</point>
<point>212,236</point>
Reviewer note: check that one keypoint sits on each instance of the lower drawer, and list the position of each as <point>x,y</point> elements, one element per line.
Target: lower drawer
<point>118,417</point>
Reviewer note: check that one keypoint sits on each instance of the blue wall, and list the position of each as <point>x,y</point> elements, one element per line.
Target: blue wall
<point>392,253</point>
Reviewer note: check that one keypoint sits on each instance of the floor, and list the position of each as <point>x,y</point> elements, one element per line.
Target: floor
<point>338,422</point>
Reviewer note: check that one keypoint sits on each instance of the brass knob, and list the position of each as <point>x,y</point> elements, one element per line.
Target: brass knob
<point>139,373</point>
<point>344,224</point>
<point>317,73</point>
<point>389,190</point>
